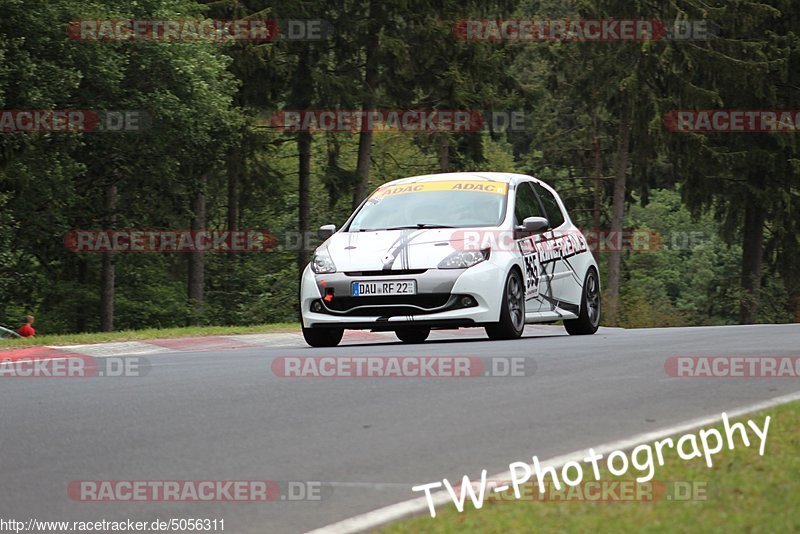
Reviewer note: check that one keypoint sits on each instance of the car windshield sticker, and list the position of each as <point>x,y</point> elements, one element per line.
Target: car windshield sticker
<point>481,186</point>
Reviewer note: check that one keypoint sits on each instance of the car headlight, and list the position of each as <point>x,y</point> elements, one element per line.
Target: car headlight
<point>322,264</point>
<point>462,259</point>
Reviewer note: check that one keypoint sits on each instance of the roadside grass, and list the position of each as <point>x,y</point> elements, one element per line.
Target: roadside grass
<point>150,333</point>
<point>742,492</point>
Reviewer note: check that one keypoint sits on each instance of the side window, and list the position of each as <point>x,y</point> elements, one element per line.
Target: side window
<point>554,214</point>
<point>526,205</point>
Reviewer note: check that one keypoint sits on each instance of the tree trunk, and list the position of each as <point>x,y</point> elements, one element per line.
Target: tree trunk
<point>234,167</point>
<point>752,256</point>
<point>362,167</point>
<point>370,87</point>
<point>234,171</point>
<point>444,152</point>
<point>598,168</point>
<point>333,148</point>
<point>301,98</point>
<point>197,275</point>
<point>108,270</point>
<point>794,305</point>
<point>81,323</point>
<point>304,151</point>
<point>618,214</point>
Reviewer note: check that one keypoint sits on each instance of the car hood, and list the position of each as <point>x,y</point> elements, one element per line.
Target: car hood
<point>391,249</point>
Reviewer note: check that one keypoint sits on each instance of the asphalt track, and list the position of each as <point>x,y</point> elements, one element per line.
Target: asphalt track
<point>224,415</point>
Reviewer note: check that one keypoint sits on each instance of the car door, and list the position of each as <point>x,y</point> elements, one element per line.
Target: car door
<point>526,204</point>
<point>561,243</point>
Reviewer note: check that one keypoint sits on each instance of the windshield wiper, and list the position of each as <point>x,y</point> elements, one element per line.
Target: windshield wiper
<point>420,226</point>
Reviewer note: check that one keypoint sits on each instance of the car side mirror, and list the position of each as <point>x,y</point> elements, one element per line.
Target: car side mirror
<point>326,231</point>
<point>535,224</point>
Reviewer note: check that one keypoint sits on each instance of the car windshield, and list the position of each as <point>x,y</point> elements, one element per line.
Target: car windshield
<point>456,204</point>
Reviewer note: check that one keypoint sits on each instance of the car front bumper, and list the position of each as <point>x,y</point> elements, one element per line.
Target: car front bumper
<point>445,298</point>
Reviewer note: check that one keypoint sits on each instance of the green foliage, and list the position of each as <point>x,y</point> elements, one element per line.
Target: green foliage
<point>691,277</point>
<point>210,132</point>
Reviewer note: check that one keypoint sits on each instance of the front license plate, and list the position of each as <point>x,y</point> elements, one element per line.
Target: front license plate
<point>384,287</point>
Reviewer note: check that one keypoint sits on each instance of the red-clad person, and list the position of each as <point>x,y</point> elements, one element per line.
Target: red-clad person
<point>27,330</point>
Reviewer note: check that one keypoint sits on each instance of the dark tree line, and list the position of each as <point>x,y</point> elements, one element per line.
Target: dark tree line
<point>213,160</point>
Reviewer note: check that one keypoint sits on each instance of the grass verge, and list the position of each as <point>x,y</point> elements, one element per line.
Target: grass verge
<point>742,492</point>
<point>150,333</point>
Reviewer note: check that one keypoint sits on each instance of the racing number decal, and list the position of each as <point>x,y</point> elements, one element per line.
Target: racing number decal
<point>543,256</point>
<point>531,276</point>
<point>531,259</point>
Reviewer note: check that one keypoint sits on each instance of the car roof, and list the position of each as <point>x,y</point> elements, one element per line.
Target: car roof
<point>505,177</point>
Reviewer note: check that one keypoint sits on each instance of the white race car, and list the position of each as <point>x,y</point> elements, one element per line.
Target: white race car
<point>454,250</point>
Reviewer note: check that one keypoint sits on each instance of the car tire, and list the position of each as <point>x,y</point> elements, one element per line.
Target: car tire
<point>588,320</point>
<point>512,310</point>
<point>323,337</point>
<point>413,335</point>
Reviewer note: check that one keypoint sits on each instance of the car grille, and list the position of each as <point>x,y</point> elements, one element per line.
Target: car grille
<point>390,272</point>
<point>389,305</point>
